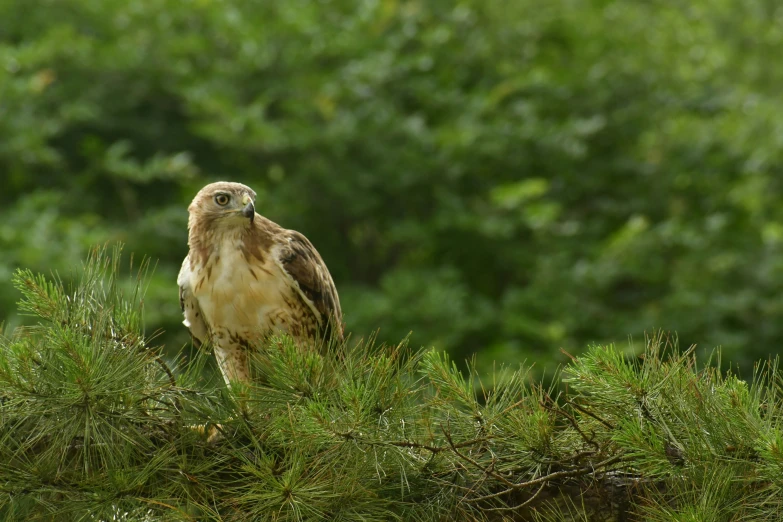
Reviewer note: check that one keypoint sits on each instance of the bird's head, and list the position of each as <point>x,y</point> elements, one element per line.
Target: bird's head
<point>223,204</point>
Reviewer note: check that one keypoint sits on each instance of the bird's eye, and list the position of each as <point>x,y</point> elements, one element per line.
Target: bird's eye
<point>222,199</point>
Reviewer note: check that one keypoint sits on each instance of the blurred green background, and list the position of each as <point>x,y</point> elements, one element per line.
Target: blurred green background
<point>499,177</point>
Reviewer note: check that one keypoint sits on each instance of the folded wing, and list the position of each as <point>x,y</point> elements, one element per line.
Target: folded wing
<point>303,264</point>
<point>194,319</point>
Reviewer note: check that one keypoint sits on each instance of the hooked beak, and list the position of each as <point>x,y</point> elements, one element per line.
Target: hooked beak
<point>250,210</point>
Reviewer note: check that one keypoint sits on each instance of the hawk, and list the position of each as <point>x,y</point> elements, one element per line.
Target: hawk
<point>246,277</point>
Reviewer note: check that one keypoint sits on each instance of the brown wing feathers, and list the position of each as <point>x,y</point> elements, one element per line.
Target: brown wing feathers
<point>303,263</point>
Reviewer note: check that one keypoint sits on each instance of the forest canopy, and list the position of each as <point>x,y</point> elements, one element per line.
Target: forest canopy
<point>500,178</point>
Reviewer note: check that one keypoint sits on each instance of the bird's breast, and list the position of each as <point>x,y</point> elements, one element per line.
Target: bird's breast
<point>248,297</point>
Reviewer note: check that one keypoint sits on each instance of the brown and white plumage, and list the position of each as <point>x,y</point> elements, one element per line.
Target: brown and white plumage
<point>245,277</point>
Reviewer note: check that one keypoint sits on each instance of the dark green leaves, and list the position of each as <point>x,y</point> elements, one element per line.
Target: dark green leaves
<point>498,179</point>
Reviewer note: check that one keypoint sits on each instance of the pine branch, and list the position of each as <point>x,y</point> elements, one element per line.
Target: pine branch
<point>94,421</point>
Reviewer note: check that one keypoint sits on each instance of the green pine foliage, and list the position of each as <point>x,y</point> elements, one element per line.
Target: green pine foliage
<point>96,425</point>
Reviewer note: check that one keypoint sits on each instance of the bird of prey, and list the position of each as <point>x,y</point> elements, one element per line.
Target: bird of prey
<point>245,278</point>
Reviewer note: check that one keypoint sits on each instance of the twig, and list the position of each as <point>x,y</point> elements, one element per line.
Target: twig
<point>546,478</point>
<point>166,369</point>
<point>591,414</point>
<point>417,445</point>
<point>552,476</point>
<point>510,508</point>
<point>574,424</point>
<point>464,457</point>
<point>493,495</point>
<point>518,403</point>
<point>572,473</point>
<point>475,486</point>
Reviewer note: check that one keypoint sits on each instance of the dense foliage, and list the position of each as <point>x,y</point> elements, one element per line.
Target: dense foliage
<point>500,177</point>
<point>94,425</point>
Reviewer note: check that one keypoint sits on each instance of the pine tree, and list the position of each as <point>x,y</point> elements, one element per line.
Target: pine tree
<point>96,425</point>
